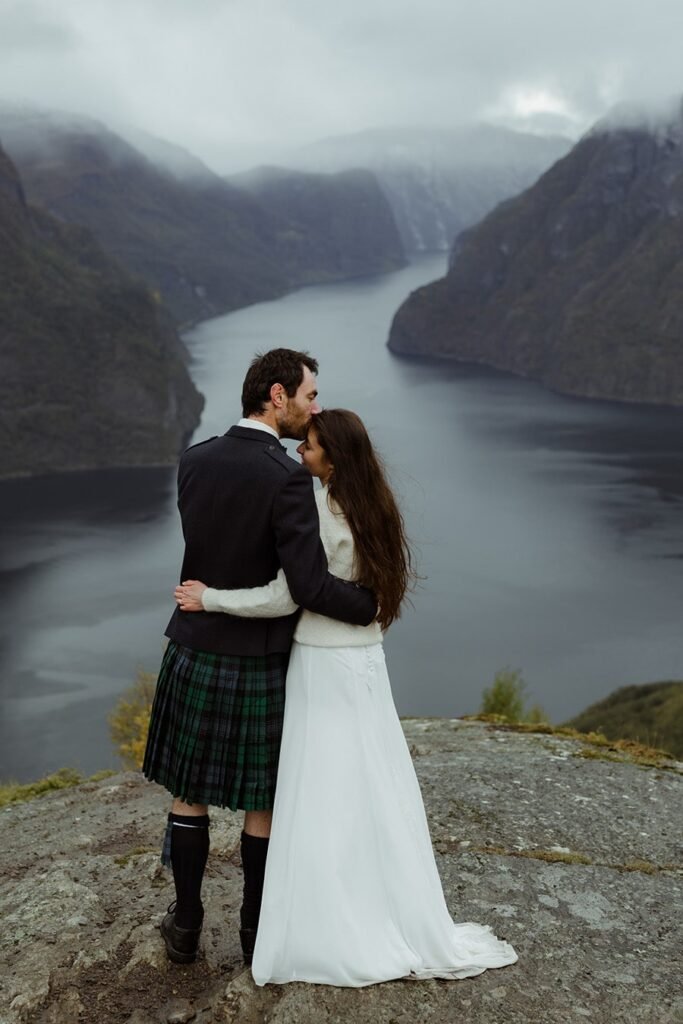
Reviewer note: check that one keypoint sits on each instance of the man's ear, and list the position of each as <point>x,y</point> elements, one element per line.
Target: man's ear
<point>277,394</point>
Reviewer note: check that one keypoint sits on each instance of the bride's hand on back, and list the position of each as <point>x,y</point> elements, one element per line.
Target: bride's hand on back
<point>188,596</point>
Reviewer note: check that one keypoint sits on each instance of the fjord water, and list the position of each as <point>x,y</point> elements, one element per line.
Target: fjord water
<point>548,530</point>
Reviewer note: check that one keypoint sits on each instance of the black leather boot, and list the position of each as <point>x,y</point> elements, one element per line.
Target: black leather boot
<point>181,943</point>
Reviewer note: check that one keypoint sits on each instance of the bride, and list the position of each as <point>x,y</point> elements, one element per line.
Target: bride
<point>352,895</point>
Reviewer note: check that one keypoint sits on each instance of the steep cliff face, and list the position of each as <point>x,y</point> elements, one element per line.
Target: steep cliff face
<point>203,246</point>
<point>578,282</point>
<point>92,374</point>
<point>440,182</point>
<point>327,226</point>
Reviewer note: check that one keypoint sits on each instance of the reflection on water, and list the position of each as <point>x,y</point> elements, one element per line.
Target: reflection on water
<point>548,529</point>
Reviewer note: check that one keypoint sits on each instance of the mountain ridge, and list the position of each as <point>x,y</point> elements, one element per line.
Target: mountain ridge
<point>439,181</point>
<point>204,245</point>
<point>577,281</point>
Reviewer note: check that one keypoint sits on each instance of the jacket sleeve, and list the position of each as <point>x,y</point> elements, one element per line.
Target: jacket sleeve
<point>301,555</point>
<point>268,602</point>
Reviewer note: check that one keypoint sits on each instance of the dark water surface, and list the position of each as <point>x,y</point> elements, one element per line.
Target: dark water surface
<point>549,530</point>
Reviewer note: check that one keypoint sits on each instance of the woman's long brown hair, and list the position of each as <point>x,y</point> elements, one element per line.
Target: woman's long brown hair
<point>359,486</point>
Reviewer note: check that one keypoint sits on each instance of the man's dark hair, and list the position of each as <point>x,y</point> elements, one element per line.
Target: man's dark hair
<point>279,366</point>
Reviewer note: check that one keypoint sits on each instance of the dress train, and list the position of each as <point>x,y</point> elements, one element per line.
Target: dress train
<point>352,895</point>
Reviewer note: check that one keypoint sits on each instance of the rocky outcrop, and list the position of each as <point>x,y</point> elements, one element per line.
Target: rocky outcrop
<point>92,373</point>
<point>575,860</point>
<point>327,226</point>
<point>440,182</point>
<point>576,283</point>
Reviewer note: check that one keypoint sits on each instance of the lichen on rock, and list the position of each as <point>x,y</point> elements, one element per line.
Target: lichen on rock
<point>576,862</point>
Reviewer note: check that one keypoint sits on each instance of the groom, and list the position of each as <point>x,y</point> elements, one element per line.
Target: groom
<point>247,509</point>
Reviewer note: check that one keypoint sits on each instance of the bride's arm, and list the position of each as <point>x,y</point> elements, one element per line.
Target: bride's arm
<point>268,602</point>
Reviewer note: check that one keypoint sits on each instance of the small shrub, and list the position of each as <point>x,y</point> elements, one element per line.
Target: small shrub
<point>504,700</point>
<point>506,696</point>
<point>129,721</point>
<point>536,715</point>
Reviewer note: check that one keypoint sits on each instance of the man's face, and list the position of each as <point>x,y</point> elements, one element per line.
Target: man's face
<point>296,412</point>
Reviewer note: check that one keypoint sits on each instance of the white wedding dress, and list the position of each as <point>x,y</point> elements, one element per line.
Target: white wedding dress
<point>352,895</point>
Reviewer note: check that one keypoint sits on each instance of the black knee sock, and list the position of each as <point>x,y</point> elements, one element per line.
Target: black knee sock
<point>254,853</point>
<point>189,852</point>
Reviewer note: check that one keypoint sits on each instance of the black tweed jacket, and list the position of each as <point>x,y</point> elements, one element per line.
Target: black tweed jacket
<point>248,509</point>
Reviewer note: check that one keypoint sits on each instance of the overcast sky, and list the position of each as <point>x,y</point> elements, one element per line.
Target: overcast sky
<point>225,77</point>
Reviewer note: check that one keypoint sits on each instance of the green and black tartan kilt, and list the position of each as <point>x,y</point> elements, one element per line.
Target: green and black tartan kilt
<point>216,725</point>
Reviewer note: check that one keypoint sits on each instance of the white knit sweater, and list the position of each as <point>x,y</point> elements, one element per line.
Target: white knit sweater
<point>274,599</point>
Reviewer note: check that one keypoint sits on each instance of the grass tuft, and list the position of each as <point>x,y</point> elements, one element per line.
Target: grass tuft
<point>65,778</point>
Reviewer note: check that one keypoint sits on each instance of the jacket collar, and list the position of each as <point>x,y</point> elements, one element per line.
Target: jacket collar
<point>254,434</point>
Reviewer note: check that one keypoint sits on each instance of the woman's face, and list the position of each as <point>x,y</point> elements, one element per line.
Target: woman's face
<point>314,457</point>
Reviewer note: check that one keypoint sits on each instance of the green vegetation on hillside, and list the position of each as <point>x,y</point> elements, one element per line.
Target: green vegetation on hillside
<point>129,721</point>
<point>651,714</point>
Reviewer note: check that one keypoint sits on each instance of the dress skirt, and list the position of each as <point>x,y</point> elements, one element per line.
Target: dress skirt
<point>352,895</point>
<point>215,727</point>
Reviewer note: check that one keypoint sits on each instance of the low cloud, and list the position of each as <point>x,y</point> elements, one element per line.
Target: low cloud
<point>230,77</point>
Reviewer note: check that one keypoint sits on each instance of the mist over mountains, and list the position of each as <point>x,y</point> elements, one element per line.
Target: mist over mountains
<point>204,248</point>
<point>577,282</point>
<point>439,182</point>
<point>202,244</point>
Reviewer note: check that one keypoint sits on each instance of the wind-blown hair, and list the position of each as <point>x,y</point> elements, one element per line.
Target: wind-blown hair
<point>359,486</point>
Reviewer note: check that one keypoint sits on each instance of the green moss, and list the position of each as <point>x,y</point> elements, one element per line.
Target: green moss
<point>600,748</point>
<point>644,759</point>
<point>65,778</point>
<point>137,851</point>
<point>550,856</point>
<point>645,867</point>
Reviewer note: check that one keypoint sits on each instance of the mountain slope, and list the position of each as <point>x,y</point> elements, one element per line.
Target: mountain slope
<point>578,281</point>
<point>203,246</point>
<point>439,182</point>
<point>651,714</point>
<point>327,226</point>
<point>91,372</point>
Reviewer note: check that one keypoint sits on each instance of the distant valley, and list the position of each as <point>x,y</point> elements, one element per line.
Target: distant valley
<point>439,182</point>
<point>110,244</point>
<point>204,245</point>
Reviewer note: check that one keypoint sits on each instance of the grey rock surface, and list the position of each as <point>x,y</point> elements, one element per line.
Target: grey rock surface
<point>576,861</point>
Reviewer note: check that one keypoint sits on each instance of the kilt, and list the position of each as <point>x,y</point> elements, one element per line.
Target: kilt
<point>215,727</point>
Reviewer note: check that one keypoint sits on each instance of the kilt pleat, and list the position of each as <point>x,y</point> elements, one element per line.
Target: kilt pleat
<point>215,727</point>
